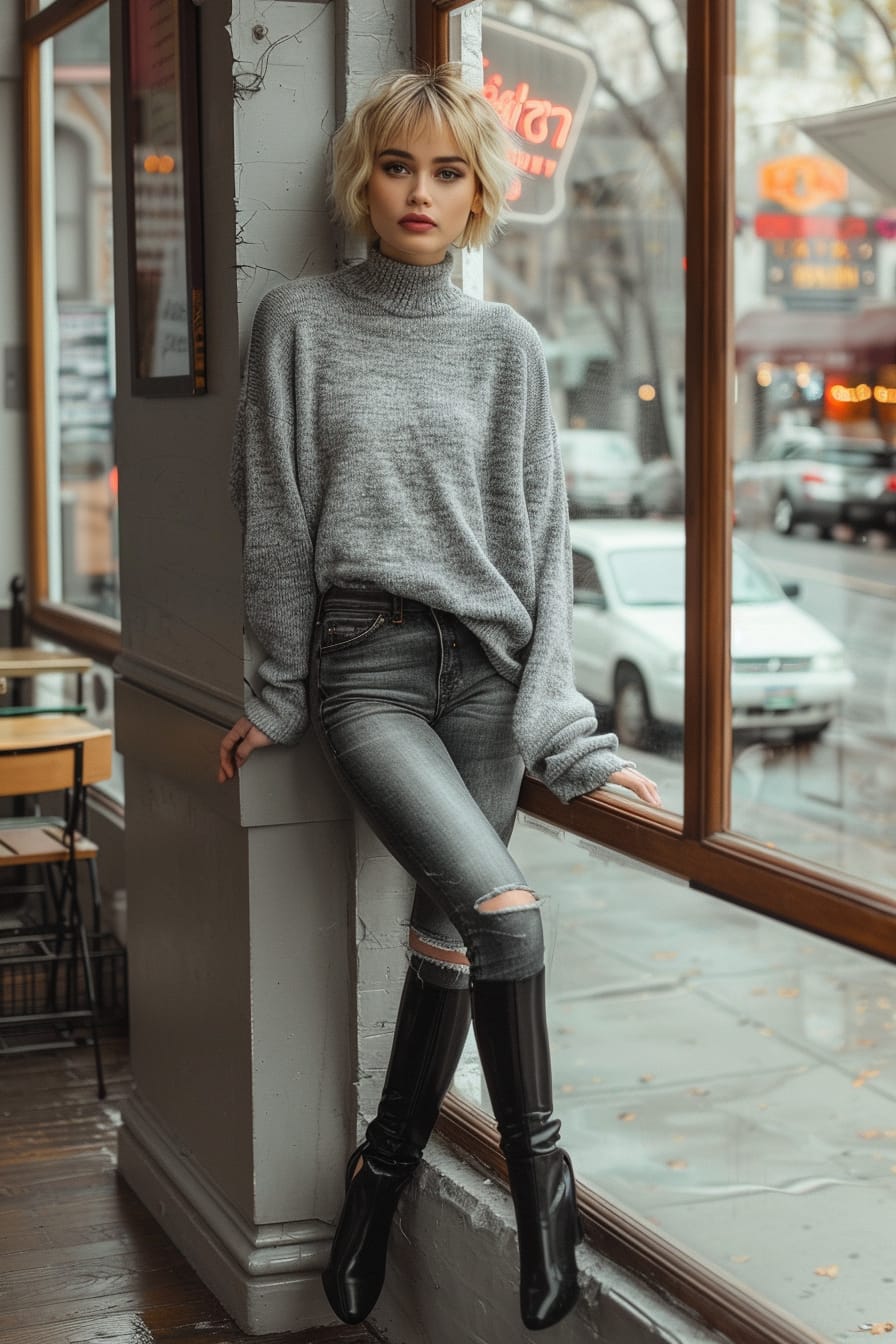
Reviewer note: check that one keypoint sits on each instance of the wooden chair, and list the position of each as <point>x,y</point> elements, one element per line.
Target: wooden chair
<point>50,754</point>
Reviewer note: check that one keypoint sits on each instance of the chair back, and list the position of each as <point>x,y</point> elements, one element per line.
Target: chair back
<point>39,754</point>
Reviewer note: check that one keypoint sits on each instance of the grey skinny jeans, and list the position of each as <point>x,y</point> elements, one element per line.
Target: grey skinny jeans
<point>418,727</point>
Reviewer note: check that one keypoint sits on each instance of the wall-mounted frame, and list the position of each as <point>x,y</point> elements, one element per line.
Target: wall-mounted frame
<point>164,199</point>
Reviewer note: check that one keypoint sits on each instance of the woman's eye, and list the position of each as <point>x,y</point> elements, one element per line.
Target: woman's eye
<point>394,168</point>
<point>449,175</point>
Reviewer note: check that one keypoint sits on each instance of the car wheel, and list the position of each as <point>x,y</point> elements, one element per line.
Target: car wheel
<point>636,507</point>
<point>632,709</point>
<point>825,533</point>
<point>783,518</point>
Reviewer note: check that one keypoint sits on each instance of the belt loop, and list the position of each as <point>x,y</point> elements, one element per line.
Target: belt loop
<point>397,609</point>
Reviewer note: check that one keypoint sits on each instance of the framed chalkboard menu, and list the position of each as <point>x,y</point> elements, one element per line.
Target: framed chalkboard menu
<point>164,197</point>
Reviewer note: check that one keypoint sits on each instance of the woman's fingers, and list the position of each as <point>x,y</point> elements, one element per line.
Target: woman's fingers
<point>237,746</point>
<point>639,784</point>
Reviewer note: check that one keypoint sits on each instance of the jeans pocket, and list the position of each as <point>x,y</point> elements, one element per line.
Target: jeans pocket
<point>342,631</point>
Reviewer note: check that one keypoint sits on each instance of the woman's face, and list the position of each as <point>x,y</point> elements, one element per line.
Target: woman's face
<point>420,196</point>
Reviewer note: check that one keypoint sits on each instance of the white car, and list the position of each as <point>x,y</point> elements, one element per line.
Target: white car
<point>787,671</point>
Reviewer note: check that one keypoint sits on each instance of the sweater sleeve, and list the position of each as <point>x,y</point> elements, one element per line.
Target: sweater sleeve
<point>554,725</point>
<point>278,563</point>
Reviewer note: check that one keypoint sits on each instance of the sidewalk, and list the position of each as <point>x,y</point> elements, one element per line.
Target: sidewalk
<point>729,1078</point>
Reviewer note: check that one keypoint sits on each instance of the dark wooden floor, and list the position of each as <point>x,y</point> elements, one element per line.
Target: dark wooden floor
<point>81,1261</point>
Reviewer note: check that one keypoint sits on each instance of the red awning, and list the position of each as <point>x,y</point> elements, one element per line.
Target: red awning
<point>792,335</point>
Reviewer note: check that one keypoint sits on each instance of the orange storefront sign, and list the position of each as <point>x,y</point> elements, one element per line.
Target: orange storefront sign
<point>803,182</point>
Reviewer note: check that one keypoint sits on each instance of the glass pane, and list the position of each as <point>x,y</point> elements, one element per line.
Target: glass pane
<point>592,256</point>
<point>726,1078</point>
<point>82,484</point>
<point>814,475</point>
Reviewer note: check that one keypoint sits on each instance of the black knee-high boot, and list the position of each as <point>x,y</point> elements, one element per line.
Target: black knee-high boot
<point>511,1033</point>
<point>430,1031</point>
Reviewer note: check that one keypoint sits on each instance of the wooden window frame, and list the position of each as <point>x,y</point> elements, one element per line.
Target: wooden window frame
<point>697,846</point>
<point>91,632</point>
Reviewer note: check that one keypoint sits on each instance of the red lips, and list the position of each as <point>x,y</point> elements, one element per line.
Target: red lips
<point>416,219</point>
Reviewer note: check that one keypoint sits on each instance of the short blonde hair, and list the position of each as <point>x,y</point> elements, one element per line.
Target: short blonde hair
<point>406,103</point>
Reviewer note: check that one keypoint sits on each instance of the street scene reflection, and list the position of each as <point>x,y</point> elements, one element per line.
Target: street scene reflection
<point>594,257</point>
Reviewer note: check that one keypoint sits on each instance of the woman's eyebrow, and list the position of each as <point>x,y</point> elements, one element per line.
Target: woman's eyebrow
<point>403,154</point>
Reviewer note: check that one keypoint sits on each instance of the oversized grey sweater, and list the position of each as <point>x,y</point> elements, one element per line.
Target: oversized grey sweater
<point>394,431</point>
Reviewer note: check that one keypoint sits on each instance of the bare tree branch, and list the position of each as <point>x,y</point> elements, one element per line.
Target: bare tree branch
<point>636,119</point>
<point>828,34</point>
<point>882,23</point>
<point>650,27</point>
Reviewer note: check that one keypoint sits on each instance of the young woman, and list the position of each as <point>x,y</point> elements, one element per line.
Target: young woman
<point>407,573</point>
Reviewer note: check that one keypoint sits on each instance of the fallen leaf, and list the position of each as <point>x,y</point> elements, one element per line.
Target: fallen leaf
<point>664,956</point>
<point>766,1031</point>
<point>698,1091</point>
<point>596,1078</point>
<point>627,1116</point>
<point>828,1271</point>
<point>763,1105</point>
<point>739,1259</point>
<point>865,1043</point>
<point>646,1078</point>
<point>890,1133</point>
<point>893,1168</point>
<point>861,1079</point>
<point>869,1133</point>
<point>884,1002</point>
<point>567,1088</point>
<point>881,1328</point>
<point>759,991</point>
<point>788,993</point>
<point>677,1163</point>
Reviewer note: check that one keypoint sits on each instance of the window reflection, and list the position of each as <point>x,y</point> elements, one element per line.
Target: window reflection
<point>82,482</point>
<point>814,446</point>
<point>723,1076</point>
<point>593,257</point>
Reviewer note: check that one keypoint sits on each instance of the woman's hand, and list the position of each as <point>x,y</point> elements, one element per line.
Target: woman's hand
<point>237,746</point>
<point>640,785</point>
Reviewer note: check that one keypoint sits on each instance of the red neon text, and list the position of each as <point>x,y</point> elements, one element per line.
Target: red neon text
<point>528,117</point>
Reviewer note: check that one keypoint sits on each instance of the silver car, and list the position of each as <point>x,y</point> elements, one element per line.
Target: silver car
<point>601,468</point>
<point>805,475</point>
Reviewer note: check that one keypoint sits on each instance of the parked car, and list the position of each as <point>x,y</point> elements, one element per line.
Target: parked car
<point>787,671</point>
<point>658,490</point>
<point>803,474</point>
<point>601,466</point>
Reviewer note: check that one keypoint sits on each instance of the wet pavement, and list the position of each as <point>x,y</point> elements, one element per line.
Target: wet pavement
<point>728,1078</point>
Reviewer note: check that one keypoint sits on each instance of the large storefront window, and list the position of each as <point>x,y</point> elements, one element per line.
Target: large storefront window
<point>814,474</point>
<point>75,526</point>
<point>594,257</point>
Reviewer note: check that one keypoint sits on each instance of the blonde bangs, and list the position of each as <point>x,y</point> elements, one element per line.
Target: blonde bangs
<point>405,105</point>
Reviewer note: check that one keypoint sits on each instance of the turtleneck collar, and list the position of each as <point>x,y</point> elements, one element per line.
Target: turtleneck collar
<point>402,288</point>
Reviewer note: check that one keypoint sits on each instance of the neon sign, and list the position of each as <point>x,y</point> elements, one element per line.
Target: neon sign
<point>521,72</point>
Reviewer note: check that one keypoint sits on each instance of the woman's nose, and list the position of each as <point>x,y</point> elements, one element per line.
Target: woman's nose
<point>419,190</point>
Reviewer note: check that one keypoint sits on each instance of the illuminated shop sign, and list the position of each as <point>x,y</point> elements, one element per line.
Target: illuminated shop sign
<point>541,90</point>
<point>814,248</point>
<point>819,265</point>
<point>803,182</point>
